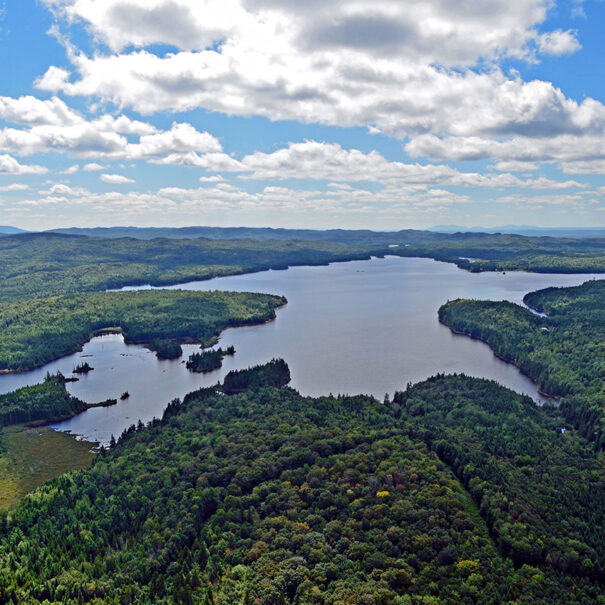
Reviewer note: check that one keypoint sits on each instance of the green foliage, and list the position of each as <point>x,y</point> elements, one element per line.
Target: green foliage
<point>166,349</point>
<point>37,331</point>
<point>46,402</point>
<point>45,264</point>
<point>539,491</point>
<point>269,497</point>
<point>206,361</point>
<point>276,373</point>
<point>563,352</point>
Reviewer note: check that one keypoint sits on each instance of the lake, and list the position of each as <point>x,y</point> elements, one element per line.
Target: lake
<point>356,327</point>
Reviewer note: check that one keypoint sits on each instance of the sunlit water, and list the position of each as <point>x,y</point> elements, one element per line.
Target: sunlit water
<point>355,327</point>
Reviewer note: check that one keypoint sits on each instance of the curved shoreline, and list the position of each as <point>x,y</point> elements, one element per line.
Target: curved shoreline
<point>190,340</point>
<point>503,359</point>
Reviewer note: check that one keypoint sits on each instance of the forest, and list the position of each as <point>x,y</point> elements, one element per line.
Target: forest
<point>45,402</point>
<point>206,361</point>
<point>456,491</point>
<point>563,351</point>
<point>270,497</point>
<point>37,331</point>
<point>45,264</point>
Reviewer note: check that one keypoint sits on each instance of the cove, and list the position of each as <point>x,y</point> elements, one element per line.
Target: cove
<point>355,327</point>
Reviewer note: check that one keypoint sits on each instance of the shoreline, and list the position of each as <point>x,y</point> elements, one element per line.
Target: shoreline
<point>187,340</point>
<point>553,398</point>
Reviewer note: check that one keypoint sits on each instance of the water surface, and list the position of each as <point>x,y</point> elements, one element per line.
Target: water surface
<point>355,327</point>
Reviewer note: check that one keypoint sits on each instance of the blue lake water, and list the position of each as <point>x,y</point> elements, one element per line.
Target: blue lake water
<point>355,327</point>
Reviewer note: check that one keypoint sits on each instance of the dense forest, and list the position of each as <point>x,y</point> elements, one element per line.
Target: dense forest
<point>166,349</point>
<point>37,331</point>
<point>276,373</point>
<point>45,402</point>
<point>457,491</point>
<point>273,498</point>
<point>44,264</point>
<point>207,361</point>
<point>563,351</point>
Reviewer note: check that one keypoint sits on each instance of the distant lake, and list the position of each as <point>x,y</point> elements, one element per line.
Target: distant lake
<point>355,327</point>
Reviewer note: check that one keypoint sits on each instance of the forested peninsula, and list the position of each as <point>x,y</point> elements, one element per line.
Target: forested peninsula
<point>40,330</point>
<point>563,350</point>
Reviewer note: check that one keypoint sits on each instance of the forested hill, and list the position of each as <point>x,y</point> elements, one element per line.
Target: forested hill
<point>43,264</point>
<point>35,265</point>
<point>563,352</point>
<point>343,235</point>
<point>37,331</point>
<point>268,497</point>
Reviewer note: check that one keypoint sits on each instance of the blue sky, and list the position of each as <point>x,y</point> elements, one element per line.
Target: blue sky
<point>381,114</point>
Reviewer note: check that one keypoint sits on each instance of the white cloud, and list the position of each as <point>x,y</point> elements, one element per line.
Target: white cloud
<point>92,167</point>
<point>116,179</point>
<point>71,170</point>
<point>452,31</point>
<point>558,42</point>
<point>53,79</point>
<point>222,203</point>
<point>515,166</point>
<point>574,153</point>
<point>181,139</point>
<point>217,178</point>
<point>52,126</point>
<point>584,166</point>
<point>329,161</point>
<point>61,189</point>
<point>9,165</point>
<point>14,187</point>
<point>328,62</point>
<point>32,111</point>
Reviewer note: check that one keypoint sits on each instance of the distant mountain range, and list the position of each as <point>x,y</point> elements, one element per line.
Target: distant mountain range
<point>7,230</point>
<point>575,232</point>
<point>256,233</point>
<point>263,233</point>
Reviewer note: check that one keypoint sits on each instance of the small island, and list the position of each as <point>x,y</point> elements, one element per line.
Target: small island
<point>82,368</point>
<point>125,395</point>
<point>166,349</point>
<point>207,361</point>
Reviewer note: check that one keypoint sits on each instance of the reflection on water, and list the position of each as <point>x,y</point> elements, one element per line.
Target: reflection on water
<point>356,327</point>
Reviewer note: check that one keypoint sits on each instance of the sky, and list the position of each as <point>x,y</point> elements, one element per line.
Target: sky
<point>381,114</point>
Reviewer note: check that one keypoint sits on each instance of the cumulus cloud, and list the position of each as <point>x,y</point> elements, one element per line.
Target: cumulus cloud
<point>329,161</point>
<point>32,111</point>
<point>9,165</point>
<point>558,42</point>
<point>181,139</point>
<point>116,179</point>
<point>568,150</point>
<point>14,187</point>
<point>92,167</point>
<point>453,31</point>
<point>52,126</point>
<point>222,203</point>
<point>61,189</point>
<point>386,65</point>
<point>515,166</point>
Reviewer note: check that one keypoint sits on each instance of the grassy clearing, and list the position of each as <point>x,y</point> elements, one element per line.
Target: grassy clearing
<point>31,456</point>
